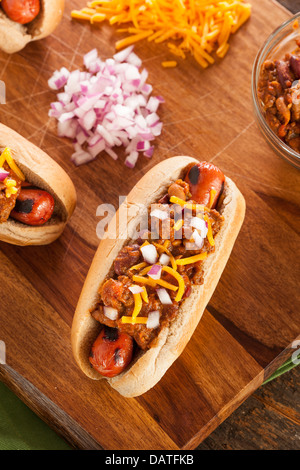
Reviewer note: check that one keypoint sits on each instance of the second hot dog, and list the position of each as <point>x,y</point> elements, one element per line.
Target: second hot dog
<point>23,21</point>
<point>36,196</point>
<point>21,11</point>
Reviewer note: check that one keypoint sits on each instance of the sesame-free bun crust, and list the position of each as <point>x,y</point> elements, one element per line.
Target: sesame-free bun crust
<point>150,366</point>
<point>42,171</point>
<point>14,36</point>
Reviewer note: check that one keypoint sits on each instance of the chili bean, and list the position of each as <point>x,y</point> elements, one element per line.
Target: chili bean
<point>295,65</point>
<point>284,75</point>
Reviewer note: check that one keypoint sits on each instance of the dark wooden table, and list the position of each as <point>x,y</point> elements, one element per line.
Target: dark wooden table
<point>270,418</point>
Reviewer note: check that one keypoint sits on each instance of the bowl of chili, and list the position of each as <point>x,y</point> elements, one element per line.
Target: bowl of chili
<point>276,90</point>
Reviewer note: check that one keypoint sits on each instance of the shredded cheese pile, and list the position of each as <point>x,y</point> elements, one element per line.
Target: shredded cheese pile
<point>196,26</point>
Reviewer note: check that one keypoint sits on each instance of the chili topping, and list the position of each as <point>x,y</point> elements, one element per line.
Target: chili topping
<point>153,275</point>
<point>279,92</point>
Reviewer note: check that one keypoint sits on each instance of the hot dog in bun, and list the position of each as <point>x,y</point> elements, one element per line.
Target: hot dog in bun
<point>144,295</point>
<point>23,21</point>
<point>37,197</point>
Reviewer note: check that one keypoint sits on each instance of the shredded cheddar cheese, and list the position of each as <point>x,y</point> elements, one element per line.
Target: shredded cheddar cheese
<point>179,278</point>
<point>177,200</point>
<point>10,190</point>
<point>137,267</point>
<point>212,194</point>
<point>10,183</point>
<point>137,306</point>
<point>141,320</point>
<point>6,156</point>
<point>144,295</point>
<point>209,232</point>
<point>196,26</point>
<point>160,282</point>
<point>188,205</point>
<point>191,259</point>
<point>168,64</point>
<point>143,280</point>
<point>178,225</point>
<point>167,251</point>
<point>196,207</point>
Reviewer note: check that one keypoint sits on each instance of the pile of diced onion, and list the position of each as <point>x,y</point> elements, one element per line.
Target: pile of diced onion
<point>107,106</point>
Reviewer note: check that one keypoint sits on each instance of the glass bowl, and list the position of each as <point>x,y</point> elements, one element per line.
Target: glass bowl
<point>281,41</point>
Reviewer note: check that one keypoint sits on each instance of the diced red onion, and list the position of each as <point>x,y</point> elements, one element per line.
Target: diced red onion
<point>59,79</point>
<point>136,289</point>
<point>3,174</point>
<point>153,319</point>
<point>111,313</point>
<point>65,117</point>
<point>94,150</point>
<point>152,119</point>
<point>108,99</point>
<point>163,296</point>
<point>200,225</point>
<point>134,59</point>
<point>79,158</point>
<point>90,57</point>
<point>111,153</point>
<point>131,159</point>
<point>123,55</point>
<point>199,241</point>
<point>159,214</point>
<point>153,104</point>
<point>149,253</point>
<point>155,272</point>
<point>164,259</point>
<point>149,152</point>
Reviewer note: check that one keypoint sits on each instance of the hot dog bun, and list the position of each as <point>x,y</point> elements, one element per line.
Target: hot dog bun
<point>14,36</point>
<point>150,366</point>
<point>43,172</point>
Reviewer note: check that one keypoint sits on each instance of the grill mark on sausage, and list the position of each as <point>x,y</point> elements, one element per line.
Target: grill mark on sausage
<point>24,207</point>
<point>110,334</point>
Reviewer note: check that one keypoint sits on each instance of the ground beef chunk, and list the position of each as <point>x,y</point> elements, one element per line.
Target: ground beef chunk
<point>142,335</point>
<point>127,257</point>
<point>116,293</point>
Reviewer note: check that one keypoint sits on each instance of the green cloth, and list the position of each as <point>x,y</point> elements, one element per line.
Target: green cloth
<point>21,429</point>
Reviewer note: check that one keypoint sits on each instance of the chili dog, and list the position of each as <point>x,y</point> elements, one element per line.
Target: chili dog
<point>37,197</point>
<point>23,21</point>
<point>143,299</point>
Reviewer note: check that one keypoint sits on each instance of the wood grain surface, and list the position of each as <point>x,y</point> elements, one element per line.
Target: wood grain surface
<point>253,318</point>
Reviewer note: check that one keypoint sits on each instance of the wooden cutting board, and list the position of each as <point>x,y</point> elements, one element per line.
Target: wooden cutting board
<point>252,320</point>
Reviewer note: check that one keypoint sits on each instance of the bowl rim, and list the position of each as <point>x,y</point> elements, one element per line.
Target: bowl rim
<point>261,54</point>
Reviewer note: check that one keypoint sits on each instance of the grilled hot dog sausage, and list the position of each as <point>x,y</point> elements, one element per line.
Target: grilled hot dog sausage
<point>21,11</point>
<point>202,178</point>
<point>111,352</point>
<point>33,207</point>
